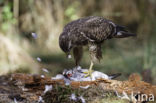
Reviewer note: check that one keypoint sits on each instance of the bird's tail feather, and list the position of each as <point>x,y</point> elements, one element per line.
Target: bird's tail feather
<point>112,76</point>
<point>128,34</point>
<point>121,32</point>
<point>121,28</point>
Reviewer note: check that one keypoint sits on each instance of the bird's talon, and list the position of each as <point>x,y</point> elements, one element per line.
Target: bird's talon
<point>85,72</point>
<point>88,73</point>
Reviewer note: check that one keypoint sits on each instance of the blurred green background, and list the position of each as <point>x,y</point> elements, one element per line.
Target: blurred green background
<point>46,18</point>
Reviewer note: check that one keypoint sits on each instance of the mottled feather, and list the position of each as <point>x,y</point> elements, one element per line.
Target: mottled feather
<point>91,31</point>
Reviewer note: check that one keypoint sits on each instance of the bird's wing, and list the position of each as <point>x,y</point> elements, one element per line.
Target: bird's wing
<point>97,30</point>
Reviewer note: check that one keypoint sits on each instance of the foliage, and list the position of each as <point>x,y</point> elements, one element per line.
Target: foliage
<point>7,17</point>
<point>71,12</point>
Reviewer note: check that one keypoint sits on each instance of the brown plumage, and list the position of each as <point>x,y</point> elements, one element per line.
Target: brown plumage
<point>91,31</point>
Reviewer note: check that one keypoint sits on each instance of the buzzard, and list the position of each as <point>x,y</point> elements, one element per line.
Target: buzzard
<point>91,31</point>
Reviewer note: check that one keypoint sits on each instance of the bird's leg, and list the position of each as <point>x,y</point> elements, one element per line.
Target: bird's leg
<point>90,69</point>
<point>89,72</point>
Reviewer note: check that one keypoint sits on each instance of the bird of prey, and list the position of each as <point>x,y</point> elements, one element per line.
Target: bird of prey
<point>91,31</point>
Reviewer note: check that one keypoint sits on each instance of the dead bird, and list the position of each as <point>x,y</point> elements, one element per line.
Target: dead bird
<point>79,75</point>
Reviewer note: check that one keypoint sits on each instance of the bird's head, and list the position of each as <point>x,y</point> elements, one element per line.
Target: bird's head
<point>67,73</point>
<point>65,44</point>
<point>121,32</point>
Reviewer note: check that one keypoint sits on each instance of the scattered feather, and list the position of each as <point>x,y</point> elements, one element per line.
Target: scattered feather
<point>82,99</point>
<point>61,77</point>
<point>45,70</point>
<point>40,99</point>
<point>42,76</point>
<point>11,78</point>
<point>73,97</point>
<point>15,101</point>
<point>24,89</point>
<point>34,35</point>
<point>117,94</point>
<point>38,59</point>
<point>85,87</point>
<point>58,76</point>
<point>67,81</point>
<point>99,75</point>
<point>78,68</point>
<point>48,88</point>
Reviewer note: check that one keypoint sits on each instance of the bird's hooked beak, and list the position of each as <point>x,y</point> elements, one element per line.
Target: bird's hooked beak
<point>123,34</point>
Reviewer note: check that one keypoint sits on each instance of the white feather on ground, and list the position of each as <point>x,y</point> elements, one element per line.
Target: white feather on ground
<point>38,59</point>
<point>34,35</point>
<point>15,101</point>
<point>48,88</point>
<point>73,97</point>
<point>45,70</point>
<point>40,99</point>
<point>82,99</point>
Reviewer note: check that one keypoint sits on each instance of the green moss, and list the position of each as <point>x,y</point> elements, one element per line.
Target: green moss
<point>23,70</point>
<point>94,94</point>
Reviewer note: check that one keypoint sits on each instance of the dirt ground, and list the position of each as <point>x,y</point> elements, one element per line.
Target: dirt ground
<point>26,88</point>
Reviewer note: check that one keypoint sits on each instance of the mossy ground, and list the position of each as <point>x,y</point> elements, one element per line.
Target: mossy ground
<point>61,94</point>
